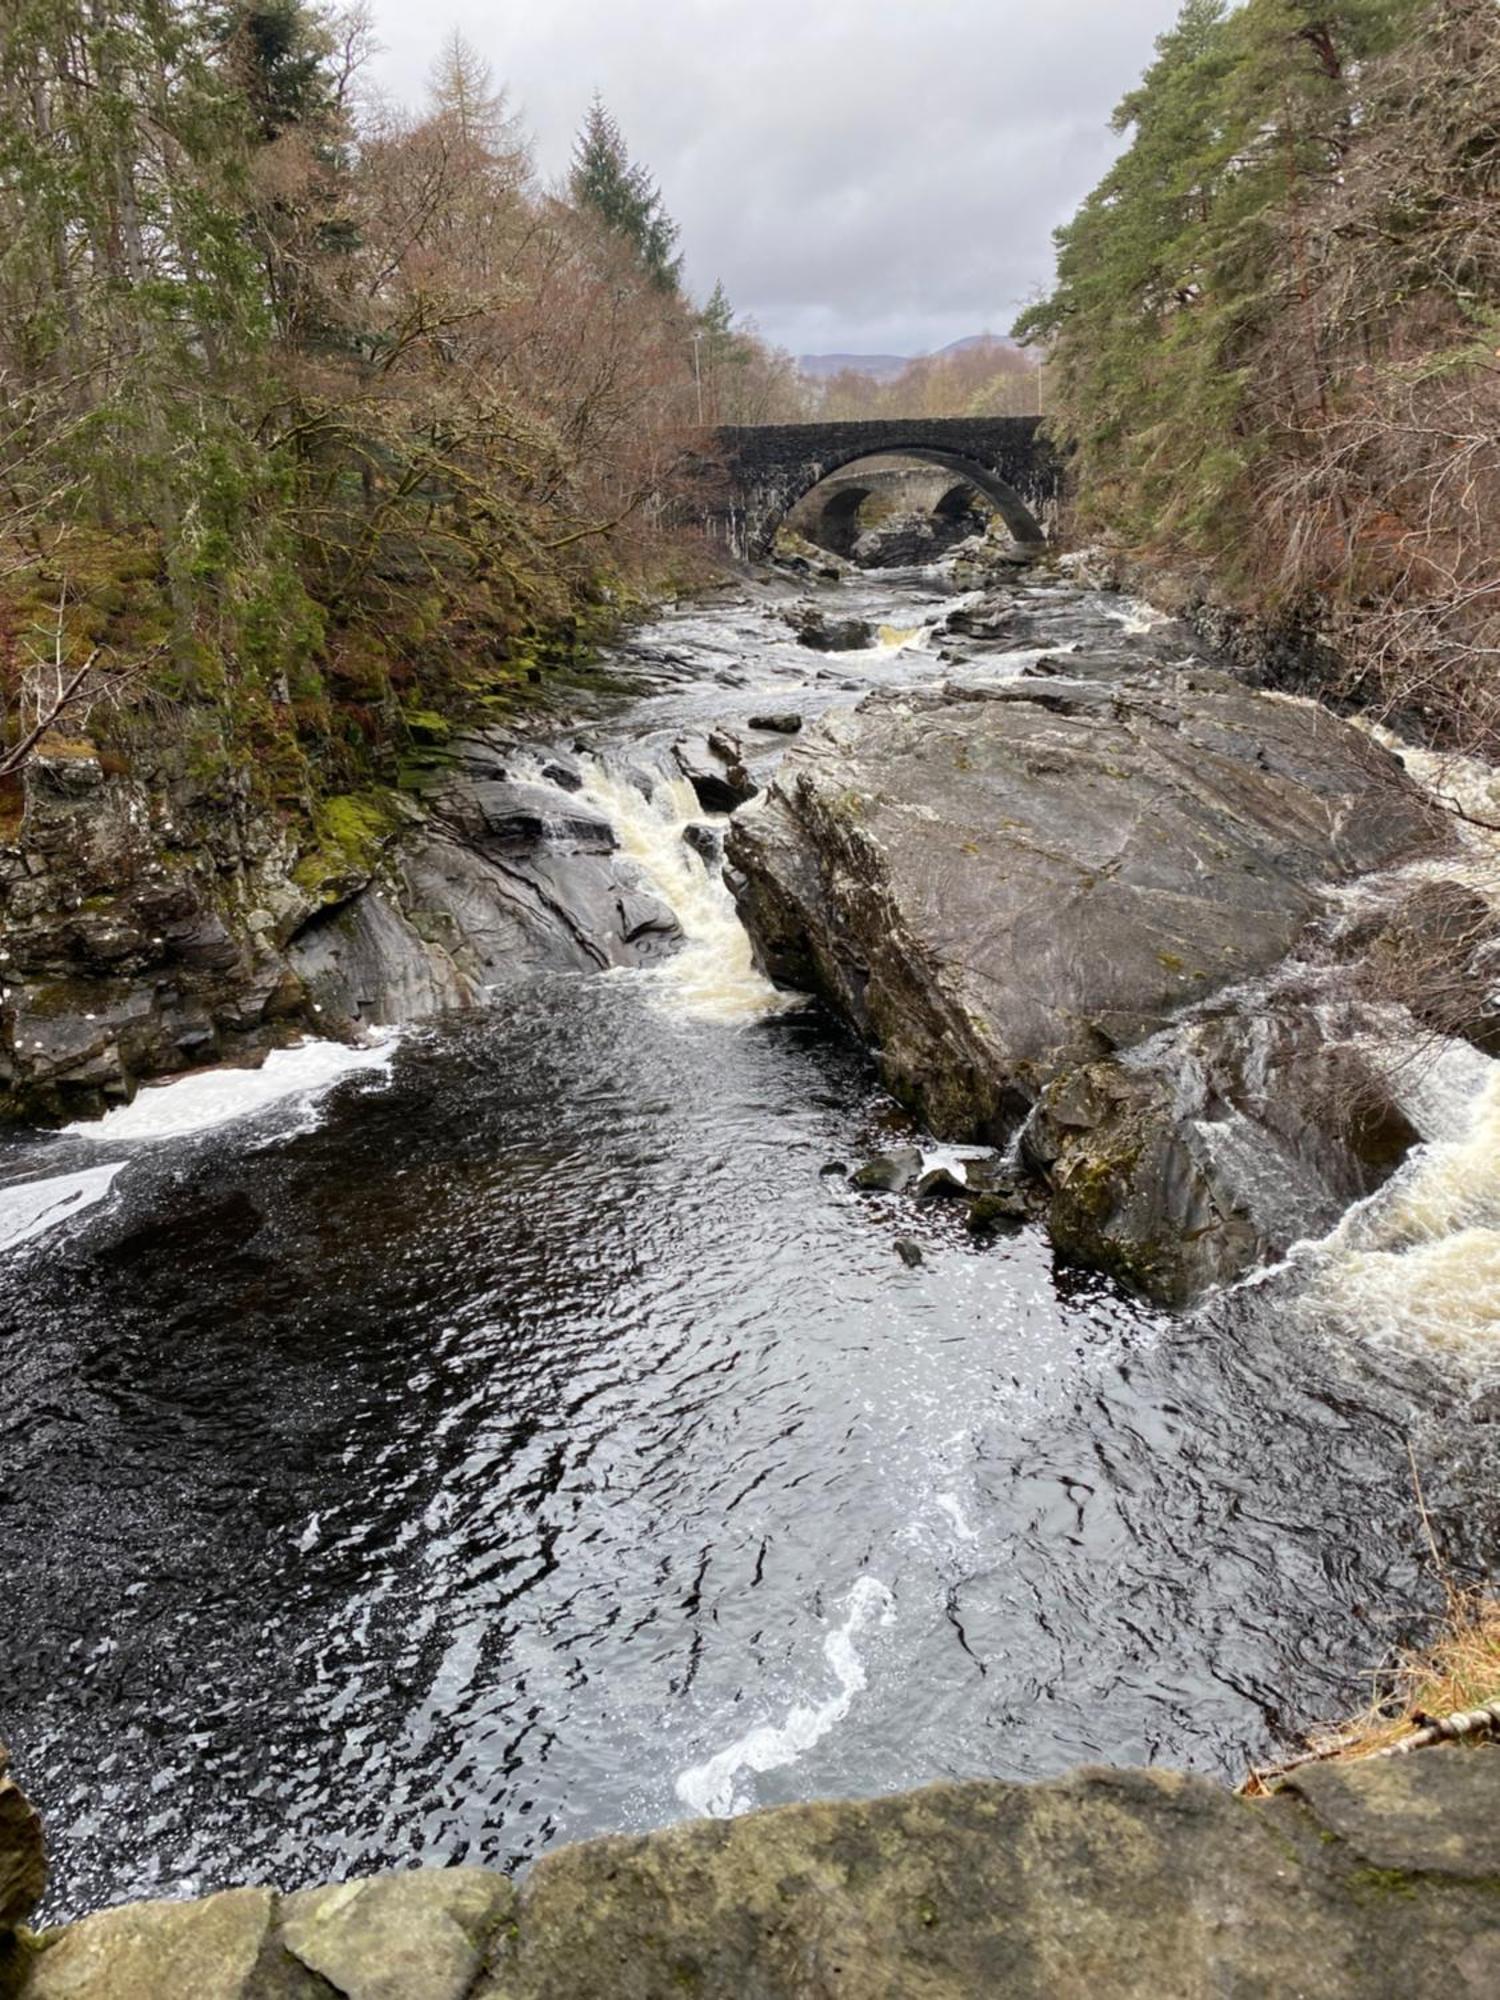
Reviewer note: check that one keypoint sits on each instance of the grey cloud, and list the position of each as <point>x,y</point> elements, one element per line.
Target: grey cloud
<point>862,174</point>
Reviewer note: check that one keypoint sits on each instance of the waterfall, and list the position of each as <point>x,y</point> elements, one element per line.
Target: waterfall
<point>714,976</point>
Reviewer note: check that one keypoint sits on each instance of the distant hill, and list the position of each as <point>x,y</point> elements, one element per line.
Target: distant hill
<point>879,367</point>
<point>886,367</point>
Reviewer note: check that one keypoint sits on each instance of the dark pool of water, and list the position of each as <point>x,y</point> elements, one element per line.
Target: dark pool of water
<point>450,1479</point>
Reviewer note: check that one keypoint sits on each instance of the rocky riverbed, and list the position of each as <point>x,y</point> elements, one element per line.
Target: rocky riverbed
<point>587,1397</point>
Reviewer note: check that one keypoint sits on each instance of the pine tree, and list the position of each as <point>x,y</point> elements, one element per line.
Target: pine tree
<point>623,197</point>
<point>1173,267</point>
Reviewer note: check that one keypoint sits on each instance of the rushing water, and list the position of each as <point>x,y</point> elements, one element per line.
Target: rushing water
<point>518,1430</point>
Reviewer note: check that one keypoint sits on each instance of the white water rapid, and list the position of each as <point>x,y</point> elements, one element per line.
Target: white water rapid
<point>714,977</point>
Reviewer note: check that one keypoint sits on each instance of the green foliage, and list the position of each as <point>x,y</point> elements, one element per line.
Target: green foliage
<point>605,182</point>
<point>1180,261</point>
<point>321,425</point>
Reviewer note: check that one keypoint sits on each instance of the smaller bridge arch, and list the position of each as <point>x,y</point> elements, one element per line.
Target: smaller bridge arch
<point>769,467</point>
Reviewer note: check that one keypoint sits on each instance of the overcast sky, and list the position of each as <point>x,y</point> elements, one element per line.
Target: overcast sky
<point>874,176</point>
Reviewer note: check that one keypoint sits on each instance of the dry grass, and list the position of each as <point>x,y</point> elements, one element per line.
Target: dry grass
<point>1458,1672</point>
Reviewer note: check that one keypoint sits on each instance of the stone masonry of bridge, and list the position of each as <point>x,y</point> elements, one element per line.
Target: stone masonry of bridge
<point>767,468</point>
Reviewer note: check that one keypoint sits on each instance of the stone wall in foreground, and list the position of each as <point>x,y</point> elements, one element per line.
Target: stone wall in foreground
<point>1378,1879</point>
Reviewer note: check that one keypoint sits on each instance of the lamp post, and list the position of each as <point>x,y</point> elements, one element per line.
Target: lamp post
<point>698,369</point>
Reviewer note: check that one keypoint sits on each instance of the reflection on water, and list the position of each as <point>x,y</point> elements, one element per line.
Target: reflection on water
<point>541,1440</point>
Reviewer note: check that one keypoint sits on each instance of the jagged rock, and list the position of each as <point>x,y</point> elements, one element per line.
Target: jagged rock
<point>721,786</point>
<point>903,541</point>
<point>516,815</point>
<point>1217,1144</point>
<point>990,1213</point>
<point>483,753</point>
<point>941,1184</point>
<point>414,1936</point>
<point>208,1950</point>
<point>1000,1200</point>
<point>563,772</point>
<point>888,1173</point>
<point>707,842</point>
<point>999,887</point>
<point>815,629</point>
<point>910,1252</point>
<point>644,916</point>
<point>998,621</point>
<point>982,560</point>
<point>784,724</point>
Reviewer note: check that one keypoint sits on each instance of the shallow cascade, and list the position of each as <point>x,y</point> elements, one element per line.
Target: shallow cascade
<point>521,1429</point>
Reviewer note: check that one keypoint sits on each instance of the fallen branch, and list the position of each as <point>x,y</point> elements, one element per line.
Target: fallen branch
<point>1475,1723</point>
<point>72,694</point>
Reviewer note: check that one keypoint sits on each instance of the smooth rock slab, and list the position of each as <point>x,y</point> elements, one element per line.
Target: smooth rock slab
<point>999,888</point>
<point>1375,1881</point>
<point>414,1936</point>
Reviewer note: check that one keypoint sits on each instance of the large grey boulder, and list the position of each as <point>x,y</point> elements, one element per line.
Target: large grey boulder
<point>208,1950</point>
<point>1216,1145</point>
<point>1000,888</point>
<point>414,1936</point>
<point>1106,1885</point>
<point>815,629</point>
<point>1361,1882</point>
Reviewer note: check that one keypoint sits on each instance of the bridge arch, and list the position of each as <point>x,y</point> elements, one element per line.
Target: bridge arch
<point>768,468</point>
<point>1003,497</point>
<point>839,515</point>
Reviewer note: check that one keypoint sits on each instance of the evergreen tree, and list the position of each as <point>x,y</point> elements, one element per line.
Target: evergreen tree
<point>605,183</point>
<point>1175,263</point>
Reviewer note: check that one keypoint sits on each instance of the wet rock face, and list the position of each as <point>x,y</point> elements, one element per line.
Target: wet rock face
<point>139,929</point>
<point>714,766</point>
<point>1179,1168</point>
<point>913,537</point>
<point>1364,1882</point>
<point>23,1854</point>
<point>815,629</point>
<point>1003,889</point>
<point>146,930</point>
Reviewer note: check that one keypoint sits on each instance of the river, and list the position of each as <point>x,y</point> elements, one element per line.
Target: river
<point>518,1430</point>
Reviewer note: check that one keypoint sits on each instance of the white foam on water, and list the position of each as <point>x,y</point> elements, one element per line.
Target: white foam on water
<point>1136,618</point>
<point>207,1098</point>
<point>32,1208</point>
<point>1469,783</point>
<point>713,977</point>
<point>717,1787</point>
<point>950,1505</point>
<point>1418,1264</point>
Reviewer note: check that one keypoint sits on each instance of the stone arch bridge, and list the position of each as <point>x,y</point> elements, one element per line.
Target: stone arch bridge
<point>768,468</point>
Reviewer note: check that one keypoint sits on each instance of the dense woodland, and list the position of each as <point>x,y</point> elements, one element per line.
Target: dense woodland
<point>1275,332</point>
<point>321,420</point>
